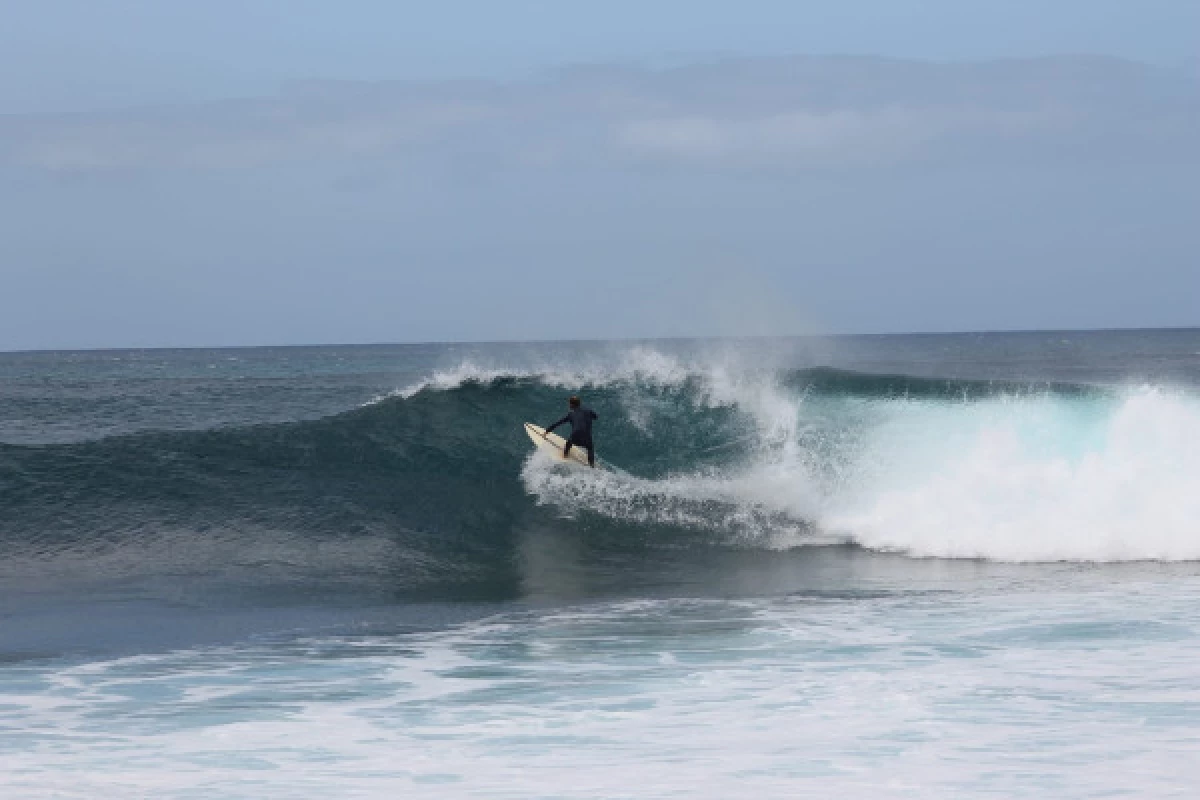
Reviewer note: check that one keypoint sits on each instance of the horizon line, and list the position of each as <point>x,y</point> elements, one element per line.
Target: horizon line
<point>629,339</point>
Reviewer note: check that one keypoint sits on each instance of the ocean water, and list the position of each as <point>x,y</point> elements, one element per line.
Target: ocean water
<point>877,567</point>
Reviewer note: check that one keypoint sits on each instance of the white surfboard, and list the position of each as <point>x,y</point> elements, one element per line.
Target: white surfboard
<point>552,445</point>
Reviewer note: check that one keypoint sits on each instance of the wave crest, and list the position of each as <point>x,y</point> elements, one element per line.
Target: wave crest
<point>710,454</point>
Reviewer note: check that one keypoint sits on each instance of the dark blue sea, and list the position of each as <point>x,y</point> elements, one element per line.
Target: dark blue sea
<point>858,567</point>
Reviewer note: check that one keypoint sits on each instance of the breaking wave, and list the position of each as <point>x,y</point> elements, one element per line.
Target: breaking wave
<point>433,485</point>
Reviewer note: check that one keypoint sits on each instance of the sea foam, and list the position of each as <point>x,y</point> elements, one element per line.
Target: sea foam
<point>1034,476</point>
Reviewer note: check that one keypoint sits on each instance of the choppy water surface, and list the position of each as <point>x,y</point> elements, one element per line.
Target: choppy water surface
<point>882,567</point>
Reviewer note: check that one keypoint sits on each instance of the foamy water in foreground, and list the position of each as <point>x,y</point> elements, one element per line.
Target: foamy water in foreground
<point>1085,685</point>
<point>885,567</point>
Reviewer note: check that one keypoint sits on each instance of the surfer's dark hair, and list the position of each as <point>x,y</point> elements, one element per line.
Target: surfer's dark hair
<point>573,402</point>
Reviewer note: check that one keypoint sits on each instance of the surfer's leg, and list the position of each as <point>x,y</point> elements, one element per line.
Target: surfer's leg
<point>567,448</point>
<point>591,455</point>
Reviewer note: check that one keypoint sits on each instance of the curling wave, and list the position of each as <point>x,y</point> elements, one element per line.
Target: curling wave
<point>432,486</point>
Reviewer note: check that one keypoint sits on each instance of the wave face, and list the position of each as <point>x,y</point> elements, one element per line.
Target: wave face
<point>435,484</point>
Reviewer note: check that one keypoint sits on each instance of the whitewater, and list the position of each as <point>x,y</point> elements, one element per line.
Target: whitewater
<point>1012,474</point>
<point>923,566</point>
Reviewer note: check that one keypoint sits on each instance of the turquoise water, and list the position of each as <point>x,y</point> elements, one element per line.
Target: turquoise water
<point>909,567</point>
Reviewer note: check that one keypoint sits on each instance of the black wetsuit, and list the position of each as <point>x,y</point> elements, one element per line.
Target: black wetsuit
<point>581,431</point>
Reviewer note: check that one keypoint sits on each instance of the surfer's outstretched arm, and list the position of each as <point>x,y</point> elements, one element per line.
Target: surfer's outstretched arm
<point>560,422</point>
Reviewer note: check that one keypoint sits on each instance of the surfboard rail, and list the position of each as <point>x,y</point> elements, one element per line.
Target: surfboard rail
<point>551,444</point>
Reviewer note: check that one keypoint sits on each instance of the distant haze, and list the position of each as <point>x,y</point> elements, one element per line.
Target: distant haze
<point>766,194</point>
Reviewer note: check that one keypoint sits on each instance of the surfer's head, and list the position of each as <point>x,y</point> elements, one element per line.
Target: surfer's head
<point>573,402</point>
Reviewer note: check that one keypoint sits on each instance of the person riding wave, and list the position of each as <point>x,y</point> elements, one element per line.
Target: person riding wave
<point>581,429</point>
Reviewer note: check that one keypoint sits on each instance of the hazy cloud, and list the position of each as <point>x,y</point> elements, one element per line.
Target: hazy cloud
<point>760,113</point>
<point>829,138</point>
<point>226,135</point>
<point>770,195</point>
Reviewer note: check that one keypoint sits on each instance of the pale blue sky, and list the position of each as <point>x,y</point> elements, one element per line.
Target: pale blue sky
<point>62,55</point>
<point>253,172</point>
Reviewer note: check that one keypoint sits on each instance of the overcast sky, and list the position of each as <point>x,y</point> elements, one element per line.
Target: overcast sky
<point>303,172</point>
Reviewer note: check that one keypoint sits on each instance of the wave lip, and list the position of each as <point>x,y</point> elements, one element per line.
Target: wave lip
<point>972,470</point>
<point>1046,480</point>
<point>436,483</point>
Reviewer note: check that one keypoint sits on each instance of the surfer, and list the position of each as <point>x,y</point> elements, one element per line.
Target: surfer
<point>581,429</point>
